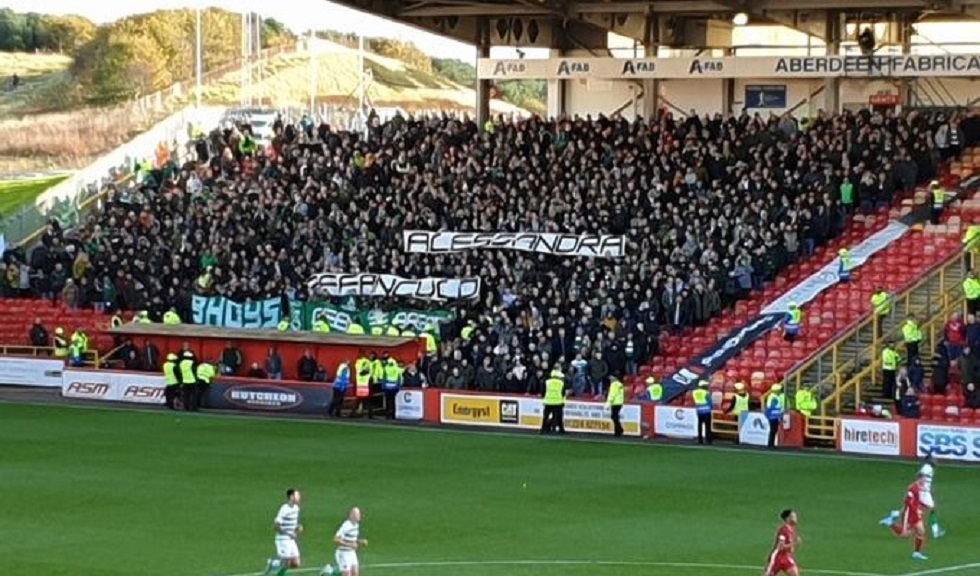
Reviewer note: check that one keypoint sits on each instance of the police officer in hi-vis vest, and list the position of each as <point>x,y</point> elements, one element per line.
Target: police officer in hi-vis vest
<point>339,388</point>
<point>553,414</point>
<point>702,404</point>
<point>775,407</point>
<point>171,380</point>
<point>362,385</point>
<point>188,380</point>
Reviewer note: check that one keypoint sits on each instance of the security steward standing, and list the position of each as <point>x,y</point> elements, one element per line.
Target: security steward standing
<point>775,407</point>
<point>171,380</point>
<point>881,302</point>
<point>702,404</point>
<point>205,373</point>
<point>391,382</point>
<point>362,382</point>
<point>553,414</point>
<point>614,401</point>
<point>913,337</point>
<point>340,384</point>
<point>60,344</point>
<point>938,201</point>
<point>739,402</point>
<point>971,291</point>
<point>845,265</point>
<point>890,360</point>
<point>188,381</point>
<point>655,390</point>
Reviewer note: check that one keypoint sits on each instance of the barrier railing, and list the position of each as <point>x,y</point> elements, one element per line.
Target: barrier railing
<point>90,357</point>
<point>861,344</point>
<point>939,303</point>
<point>820,429</point>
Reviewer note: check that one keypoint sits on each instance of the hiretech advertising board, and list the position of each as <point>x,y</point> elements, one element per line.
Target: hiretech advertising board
<point>525,413</point>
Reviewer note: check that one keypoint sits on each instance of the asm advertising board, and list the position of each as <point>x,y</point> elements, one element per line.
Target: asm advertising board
<point>525,413</point>
<point>112,386</point>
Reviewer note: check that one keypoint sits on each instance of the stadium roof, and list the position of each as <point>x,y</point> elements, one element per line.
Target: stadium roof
<point>456,18</point>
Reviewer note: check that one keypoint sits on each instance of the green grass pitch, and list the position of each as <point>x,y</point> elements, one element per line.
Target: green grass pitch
<point>105,492</point>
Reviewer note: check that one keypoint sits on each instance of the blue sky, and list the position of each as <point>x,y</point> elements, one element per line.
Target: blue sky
<point>298,15</point>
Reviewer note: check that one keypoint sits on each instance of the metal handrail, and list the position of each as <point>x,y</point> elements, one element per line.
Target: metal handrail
<point>793,379</point>
<point>47,352</point>
<point>951,299</point>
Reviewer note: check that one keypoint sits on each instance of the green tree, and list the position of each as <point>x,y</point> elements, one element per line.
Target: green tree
<point>148,52</point>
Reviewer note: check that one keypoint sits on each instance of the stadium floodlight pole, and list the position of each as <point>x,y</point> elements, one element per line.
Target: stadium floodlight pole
<point>361,116</point>
<point>198,57</point>
<point>314,83</point>
<point>244,67</point>
<point>257,22</point>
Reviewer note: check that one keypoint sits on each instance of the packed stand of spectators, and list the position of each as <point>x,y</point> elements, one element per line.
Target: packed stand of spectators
<point>712,206</point>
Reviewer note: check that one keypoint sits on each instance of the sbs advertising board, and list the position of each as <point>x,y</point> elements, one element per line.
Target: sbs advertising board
<point>525,413</point>
<point>861,436</point>
<point>112,386</point>
<point>675,422</point>
<point>409,405</point>
<point>949,442</point>
<point>16,371</point>
<point>753,429</point>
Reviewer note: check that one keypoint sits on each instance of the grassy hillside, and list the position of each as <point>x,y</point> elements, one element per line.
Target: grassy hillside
<point>285,81</point>
<point>76,135</point>
<point>38,73</point>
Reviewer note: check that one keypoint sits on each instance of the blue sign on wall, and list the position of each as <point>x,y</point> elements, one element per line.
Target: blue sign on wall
<point>765,96</point>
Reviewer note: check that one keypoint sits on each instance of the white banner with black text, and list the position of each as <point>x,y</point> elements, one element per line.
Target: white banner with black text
<point>388,285</point>
<point>588,245</point>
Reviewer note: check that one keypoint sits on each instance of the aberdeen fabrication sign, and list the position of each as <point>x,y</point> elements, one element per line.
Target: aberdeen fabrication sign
<point>785,67</point>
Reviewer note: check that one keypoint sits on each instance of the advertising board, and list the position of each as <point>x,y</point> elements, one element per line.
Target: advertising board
<point>409,405</point>
<point>948,442</point>
<point>43,372</point>
<point>675,422</point>
<point>863,436</point>
<point>526,413</point>
<point>225,394</point>
<point>112,386</point>
<point>753,429</point>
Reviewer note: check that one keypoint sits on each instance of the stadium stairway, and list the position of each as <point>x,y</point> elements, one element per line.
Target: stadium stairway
<point>768,360</point>
<point>17,315</point>
<point>845,309</point>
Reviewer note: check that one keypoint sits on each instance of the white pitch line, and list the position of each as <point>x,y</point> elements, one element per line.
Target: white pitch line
<point>460,564</point>
<point>947,570</point>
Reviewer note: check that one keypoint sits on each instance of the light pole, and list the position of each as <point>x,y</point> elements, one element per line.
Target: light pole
<point>198,58</point>
<point>314,83</point>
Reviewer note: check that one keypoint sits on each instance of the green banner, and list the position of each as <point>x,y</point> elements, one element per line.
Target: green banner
<point>304,314</point>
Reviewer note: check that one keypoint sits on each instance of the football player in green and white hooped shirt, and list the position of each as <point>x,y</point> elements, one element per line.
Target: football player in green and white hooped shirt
<point>348,540</point>
<point>288,530</point>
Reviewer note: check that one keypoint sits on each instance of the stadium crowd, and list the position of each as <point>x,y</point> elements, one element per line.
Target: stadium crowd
<point>712,206</point>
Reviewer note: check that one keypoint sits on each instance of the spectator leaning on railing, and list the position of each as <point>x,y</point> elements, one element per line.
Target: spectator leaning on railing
<point>712,208</point>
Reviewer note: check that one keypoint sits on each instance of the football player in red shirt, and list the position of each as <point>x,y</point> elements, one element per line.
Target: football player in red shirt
<point>781,559</point>
<point>909,521</point>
